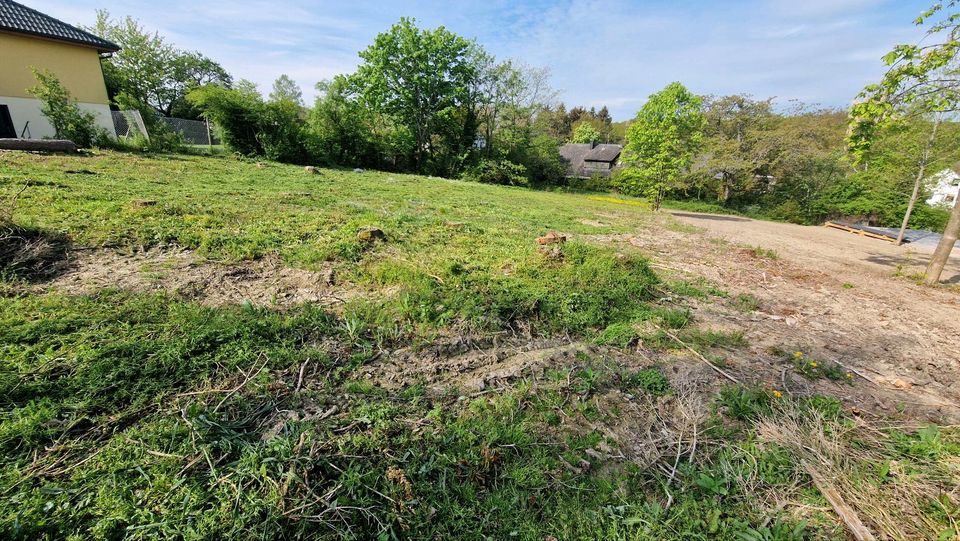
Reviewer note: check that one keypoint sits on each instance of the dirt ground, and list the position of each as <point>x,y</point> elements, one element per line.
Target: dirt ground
<point>835,296</point>
<point>832,250</point>
<point>265,282</point>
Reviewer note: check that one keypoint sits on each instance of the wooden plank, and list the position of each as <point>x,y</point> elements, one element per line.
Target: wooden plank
<point>860,231</point>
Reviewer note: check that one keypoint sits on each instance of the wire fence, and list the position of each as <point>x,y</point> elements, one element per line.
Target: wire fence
<point>128,124</point>
<point>193,132</point>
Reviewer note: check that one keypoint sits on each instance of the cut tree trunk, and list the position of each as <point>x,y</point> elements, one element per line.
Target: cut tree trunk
<point>924,160</point>
<point>945,248</point>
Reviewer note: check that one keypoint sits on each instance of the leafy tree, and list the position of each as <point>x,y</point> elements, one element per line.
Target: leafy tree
<point>68,120</point>
<point>921,79</point>
<point>346,131</point>
<point>422,78</point>
<point>585,133</point>
<point>661,142</point>
<point>191,70</point>
<point>737,144</point>
<point>286,89</point>
<point>237,113</point>
<point>152,71</point>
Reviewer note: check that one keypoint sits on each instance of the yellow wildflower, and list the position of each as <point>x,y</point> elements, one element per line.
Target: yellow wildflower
<point>849,375</point>
<point>813,364</point>
<point>797,354</point>
<point>777,394</point>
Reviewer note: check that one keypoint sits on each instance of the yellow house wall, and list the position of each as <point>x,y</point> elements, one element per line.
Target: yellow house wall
<point>78,68</point>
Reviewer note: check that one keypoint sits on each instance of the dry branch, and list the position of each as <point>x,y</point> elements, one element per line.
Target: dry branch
<point>846,513</point>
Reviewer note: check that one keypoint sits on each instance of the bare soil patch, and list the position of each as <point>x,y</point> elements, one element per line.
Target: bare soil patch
<point>265,282</point>
<point>834,296</point>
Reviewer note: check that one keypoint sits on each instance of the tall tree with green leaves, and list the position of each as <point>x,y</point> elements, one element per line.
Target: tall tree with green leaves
<point>286,89</point>
<point>150,70</point>
<point>922,79</point>
<point>584,132</point>
<point>423,79</point>
<point>737,147</point>
<point>661,142</point>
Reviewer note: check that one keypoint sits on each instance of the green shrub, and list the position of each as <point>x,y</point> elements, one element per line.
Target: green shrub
<point>498,172</point>
<point>68,120</point>
<point>631,181</point>
<point>282,133</point>
<point>236,114</point>
<point>543,162</point>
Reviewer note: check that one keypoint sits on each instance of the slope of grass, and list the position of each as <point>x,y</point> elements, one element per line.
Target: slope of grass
<point>146,416</point>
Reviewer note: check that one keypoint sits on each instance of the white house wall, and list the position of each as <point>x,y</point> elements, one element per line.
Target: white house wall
<point>24,110</point>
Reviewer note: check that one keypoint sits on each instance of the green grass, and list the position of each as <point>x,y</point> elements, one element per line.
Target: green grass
<point>147,416</point>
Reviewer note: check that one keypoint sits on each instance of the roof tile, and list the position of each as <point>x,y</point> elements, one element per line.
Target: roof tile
<point>19,19</point>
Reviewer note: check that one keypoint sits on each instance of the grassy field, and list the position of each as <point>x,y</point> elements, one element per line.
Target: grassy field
<point>148,415</point>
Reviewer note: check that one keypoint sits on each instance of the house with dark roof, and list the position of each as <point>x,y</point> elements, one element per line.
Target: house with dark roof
<point>30,39</point>
<point>589,160</point>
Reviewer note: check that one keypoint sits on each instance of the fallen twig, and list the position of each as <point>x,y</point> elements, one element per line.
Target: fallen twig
<point>303,367</point>
<point>702,358</point>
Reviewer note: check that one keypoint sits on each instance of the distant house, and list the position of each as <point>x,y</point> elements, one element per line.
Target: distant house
<point>945,188</point>
<point>591,159</point>
<point>30,39</point>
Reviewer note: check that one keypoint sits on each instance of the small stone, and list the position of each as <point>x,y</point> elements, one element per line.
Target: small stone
<point>359,170</point>
<point>143,203</point>
<point>311,169</point>
<point>902,384</point>
<point>371,234</point>
<point>552,238</point>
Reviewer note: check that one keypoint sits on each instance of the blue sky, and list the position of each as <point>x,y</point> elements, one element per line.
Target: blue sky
<point>611,53</point>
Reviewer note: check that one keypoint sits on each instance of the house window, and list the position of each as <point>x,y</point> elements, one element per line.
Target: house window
<point>7,131</point>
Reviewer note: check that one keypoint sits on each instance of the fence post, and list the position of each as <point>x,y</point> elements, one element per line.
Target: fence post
<point>209,139</point>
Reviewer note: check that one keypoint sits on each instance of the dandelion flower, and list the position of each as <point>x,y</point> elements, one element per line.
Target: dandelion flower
<point>797,354</point>
<point>777,394</point>
<point>849,375</point>
<point>813,364</point>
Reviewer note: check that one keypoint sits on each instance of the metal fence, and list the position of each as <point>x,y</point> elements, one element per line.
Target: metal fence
<point>128,123</point>
<point>193,132</point>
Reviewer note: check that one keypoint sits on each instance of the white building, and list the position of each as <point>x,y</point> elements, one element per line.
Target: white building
<point>944,188</point>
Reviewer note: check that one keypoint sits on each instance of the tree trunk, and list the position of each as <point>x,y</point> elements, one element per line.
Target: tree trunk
<point>945,248</point>
<point>658,199</point>
<point>924,160</point>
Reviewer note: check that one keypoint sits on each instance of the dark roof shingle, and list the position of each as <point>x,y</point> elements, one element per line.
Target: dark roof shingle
<point>19,19</point>
<point>604,153</point>
<point>574,153</point>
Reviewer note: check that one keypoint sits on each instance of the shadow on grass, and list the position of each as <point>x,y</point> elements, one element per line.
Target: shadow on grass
<point>32,254</point>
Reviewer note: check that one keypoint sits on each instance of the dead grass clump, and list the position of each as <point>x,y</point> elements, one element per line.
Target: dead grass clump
<point>853,461</point>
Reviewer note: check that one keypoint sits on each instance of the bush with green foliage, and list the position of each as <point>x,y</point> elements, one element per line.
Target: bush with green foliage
<point>498,172</point>
<point>236,113</point>
<point>68,120</point>
<point>282,133</point>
